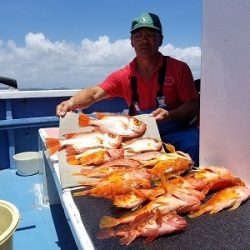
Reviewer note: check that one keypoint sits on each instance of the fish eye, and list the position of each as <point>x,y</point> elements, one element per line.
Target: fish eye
<point>111,135</point>
<point>137,122</point>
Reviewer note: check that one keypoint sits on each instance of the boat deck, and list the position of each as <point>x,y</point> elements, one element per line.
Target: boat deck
<point>40,227</point>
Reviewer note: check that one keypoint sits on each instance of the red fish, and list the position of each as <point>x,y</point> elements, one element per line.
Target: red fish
<point>140,145</point>
<point>144,157</point>
<point>94,156</point>
<point>184,203</point>
<point>80,141</point>
<point>169,164</point>
<point>136,197</point>
<point>110,167</point>
<point>125,126</point>
<point>230,197</point>
<point>149,225</point>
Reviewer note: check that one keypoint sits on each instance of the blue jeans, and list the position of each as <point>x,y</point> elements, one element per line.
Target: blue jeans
<point>182,136</point>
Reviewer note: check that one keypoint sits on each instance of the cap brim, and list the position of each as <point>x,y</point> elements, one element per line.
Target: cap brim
<point>144,26</point>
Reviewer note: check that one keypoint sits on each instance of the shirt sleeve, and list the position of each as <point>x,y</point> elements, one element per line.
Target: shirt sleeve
<point>112,84</point>
<point>117,84</point>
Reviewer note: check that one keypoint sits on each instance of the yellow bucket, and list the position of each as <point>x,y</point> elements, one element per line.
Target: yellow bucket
<point>9,218</point>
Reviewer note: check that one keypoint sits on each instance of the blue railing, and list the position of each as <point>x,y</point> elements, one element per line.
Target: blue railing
<point>21,118</point>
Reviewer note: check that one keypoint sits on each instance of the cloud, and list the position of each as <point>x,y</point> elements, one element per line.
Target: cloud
<point>41,63</point>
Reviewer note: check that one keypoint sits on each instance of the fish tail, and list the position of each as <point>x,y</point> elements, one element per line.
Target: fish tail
<point>70,150</point>
<point>105,233</point>
<point>108,221</point>
<point>84,120</point>
<point>53,145</point>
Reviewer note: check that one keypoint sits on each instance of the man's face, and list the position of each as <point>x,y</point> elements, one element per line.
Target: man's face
<point>146,41</point>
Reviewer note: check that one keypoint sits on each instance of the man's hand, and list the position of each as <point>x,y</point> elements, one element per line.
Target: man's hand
<point>160,114</point>
<point>64,107</point>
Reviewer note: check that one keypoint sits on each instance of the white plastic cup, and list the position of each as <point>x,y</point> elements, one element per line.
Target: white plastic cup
<point>27,163</point>
<point>9,219</point>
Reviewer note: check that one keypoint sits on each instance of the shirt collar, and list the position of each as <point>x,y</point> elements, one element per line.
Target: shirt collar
<point>133,65</point>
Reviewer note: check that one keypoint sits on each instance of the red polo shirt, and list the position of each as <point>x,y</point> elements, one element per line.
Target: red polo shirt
<point>177,88</point>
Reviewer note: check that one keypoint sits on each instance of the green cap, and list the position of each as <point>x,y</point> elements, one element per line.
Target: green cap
<point>146,20</point>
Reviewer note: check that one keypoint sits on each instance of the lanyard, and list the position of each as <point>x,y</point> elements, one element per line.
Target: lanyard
<point>160,98</point>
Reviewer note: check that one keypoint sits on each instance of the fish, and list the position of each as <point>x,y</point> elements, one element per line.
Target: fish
<point>230,198</point>
<point>136,197</point>
<point>184,203</point>
<point>110,167</point>
<point>82,140</point>
<point>180,184</point>
<point>117,183</point>
<point>121,162</point>
<point>94,156</point>
<point>149,225</point>
<point>129,175</point>
<point>221,183</point>
<point>140,145</point>
<point>144,157</point>
<point>122,125</point>
<point>170,164</point>
<point>214,178</point>
<point>209,173</point>
<point>113,188</point>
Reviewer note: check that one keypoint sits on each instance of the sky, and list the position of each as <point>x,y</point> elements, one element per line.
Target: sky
<point>53,44</point>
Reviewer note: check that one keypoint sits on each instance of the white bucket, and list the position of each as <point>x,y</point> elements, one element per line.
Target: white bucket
<point>9,218</point>
<point>27,163</point>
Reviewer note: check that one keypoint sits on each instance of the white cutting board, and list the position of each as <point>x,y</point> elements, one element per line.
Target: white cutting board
<point>69,124</point>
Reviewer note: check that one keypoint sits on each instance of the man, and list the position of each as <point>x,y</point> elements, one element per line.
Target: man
<point>151,83</point>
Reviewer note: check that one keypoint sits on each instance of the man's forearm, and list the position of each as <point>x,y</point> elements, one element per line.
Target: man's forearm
<point>86,97</point>
<point>186,111</point>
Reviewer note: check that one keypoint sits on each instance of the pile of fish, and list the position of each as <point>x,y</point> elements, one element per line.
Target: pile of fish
<point>136,174</point>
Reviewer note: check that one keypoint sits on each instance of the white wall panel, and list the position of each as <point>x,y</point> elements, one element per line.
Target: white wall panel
<point>225,86</point>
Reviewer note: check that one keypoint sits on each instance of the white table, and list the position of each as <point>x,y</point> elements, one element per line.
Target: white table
<point>54,194</point>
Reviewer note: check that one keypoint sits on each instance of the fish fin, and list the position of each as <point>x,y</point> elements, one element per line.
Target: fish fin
<point>129,151</point>
<point>105,233</point>
<point>53,145</point>
<point>154,235</point>
<point>76,174</point>
<point>196,214</point>
<point>169,147</point>
<point>143,195</point>
<point>84,120</point>
<point>81,193</point>
<point>206,189</point>
<point>72,160</point>
<point>108,221</point>
<point>236,205</point>
<point>99,115</point>
<point>69,135</point>
<point>167,186</point>
<point>128,238</point>
<point>215,210</point>
<point>86,172</point>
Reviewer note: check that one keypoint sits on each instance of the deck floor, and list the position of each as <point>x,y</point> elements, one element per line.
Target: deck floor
<point>40,227</point>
